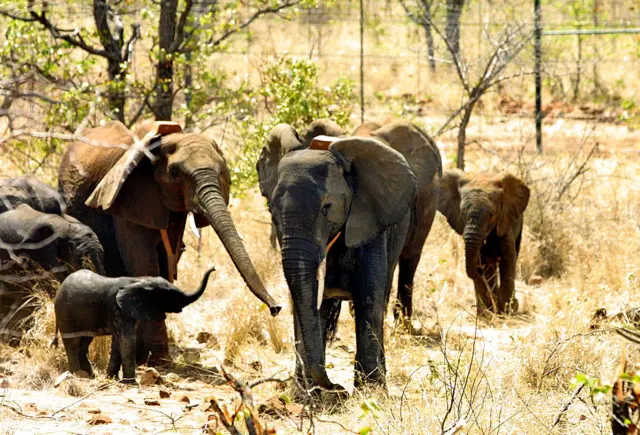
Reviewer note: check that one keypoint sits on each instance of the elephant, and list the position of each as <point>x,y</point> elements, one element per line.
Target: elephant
<point>32,241</point>
<point>136,198</point>
<point>423,156</point>
<point>27,189</point>
<point>89,305</point>
<point>487,210</point>
<point>322,126</point>
<point>348,205</point>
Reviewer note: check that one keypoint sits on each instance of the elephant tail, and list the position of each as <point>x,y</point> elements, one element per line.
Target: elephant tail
<point>54,342</point>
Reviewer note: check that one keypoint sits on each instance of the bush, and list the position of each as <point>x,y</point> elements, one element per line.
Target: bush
<point>290,94</point>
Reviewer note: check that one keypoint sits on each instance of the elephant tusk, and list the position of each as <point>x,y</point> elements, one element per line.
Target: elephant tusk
<point>192,225</point>
<point>332,242</point>
<point>322,271</point>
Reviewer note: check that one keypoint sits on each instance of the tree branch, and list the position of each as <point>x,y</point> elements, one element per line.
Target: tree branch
<point>182,21</point>
<point>76,42</point>
<point>255,16</point>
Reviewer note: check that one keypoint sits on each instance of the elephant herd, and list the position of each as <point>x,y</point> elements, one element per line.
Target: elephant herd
<point>351,210</point>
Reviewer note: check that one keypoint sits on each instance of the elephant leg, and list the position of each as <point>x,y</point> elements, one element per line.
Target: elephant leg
<point>128,352</point>
<point>329,314</point>
<point>404,307</point>
<point>83,355</point>
<point>369,300</point>
<point>154,349</point>
<point>72,347</point>
<point>115,359</point>
<point>138,247</point>
<point>507,303</point>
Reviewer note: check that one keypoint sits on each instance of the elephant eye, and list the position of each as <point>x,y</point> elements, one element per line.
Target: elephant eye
<point>325,209</point>
<point>174,172</point>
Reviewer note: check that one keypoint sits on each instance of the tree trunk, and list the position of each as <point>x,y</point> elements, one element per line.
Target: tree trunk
<point>430,46</point>
<point>462,132</point>
<point>163,104</point>
<point>115,94</point>
<point>116,65</point>
<point>452,30</point>
<point>188,87</point>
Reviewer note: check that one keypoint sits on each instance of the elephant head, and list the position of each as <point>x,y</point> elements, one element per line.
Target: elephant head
<point>475,206</point>
<point>182,173</point>
<point>358,187</point>
<point>323,126</point>
<point>81,245</point>
<point>150,298</point>
<point>27,189</point>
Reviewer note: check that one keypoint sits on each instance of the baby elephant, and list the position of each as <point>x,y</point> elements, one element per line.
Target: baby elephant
<point>89,305</point>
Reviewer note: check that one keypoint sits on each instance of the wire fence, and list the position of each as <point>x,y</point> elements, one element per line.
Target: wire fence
<point>577,69</point>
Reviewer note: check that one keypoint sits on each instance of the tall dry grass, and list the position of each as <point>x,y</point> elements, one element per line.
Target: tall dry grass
<point>502,375</point>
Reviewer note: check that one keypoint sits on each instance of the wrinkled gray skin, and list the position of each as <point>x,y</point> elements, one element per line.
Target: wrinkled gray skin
<point>361,190</point>
<point>187,173</point>
<point>31,241</point>
<point>319,127</point>
<point>487,210</point>
<point>27,189</point>
<point>90,305</point>
<point>423,156</point>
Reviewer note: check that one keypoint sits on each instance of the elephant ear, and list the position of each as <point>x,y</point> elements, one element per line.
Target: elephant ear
<point>383,183</point>
<point>139,300</point>
<point>515,198</point>
<point>140,203</point>
<point>281,140</point>
<point>321,127</point>
<point>417,147</point>
<point>449,198</point>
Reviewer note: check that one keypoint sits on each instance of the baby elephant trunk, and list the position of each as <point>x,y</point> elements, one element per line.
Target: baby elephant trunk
<point>203,285</point>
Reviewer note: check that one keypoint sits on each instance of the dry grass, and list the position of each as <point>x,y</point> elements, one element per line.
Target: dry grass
<point>508,374</point>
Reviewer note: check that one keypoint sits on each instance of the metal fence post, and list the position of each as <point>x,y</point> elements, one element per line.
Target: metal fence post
<point>362,61</point>
<point>538,60</point>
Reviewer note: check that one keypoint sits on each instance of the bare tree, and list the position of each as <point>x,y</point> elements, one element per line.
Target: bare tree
<point>421,12</point>
<point>503,49</point>
<point>452,29</point>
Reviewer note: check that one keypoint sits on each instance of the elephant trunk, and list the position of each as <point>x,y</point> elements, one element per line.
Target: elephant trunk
<point>203,285</point>
<point>473,239</point>
<point>211,203</point>
<point>300,263</point>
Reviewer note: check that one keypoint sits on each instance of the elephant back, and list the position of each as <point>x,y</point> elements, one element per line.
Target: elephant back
<point>418,149</point>
<point>87,161</point>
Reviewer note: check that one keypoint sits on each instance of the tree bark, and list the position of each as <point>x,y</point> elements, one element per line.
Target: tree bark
<point>452,30</point>
<point>162,106</point>
<point>462,133</point>
<point>430,43</point>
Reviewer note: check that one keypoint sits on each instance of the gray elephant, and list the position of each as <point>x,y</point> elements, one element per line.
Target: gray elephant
<point>90,305</point>
<point>423,156</point>
<point>487,210</point>
<point>32,242</point>
<point>136,197</point>
<point>353,201</point>
<point>322,126</point>
<point>27,189</point>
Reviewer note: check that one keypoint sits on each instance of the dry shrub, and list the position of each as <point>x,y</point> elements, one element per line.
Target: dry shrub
<point>250,326</point>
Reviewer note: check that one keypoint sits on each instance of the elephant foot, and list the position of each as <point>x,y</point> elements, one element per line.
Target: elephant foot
<point>128,381</point>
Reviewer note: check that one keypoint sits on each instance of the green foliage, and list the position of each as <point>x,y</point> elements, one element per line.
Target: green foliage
<point>594,386</point>
<point>290,94</point>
